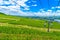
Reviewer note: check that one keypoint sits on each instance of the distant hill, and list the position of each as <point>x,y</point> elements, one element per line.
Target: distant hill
<point>2,13</point>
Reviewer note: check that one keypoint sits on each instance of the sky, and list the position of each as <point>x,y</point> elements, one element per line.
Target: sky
<point>30,7</point>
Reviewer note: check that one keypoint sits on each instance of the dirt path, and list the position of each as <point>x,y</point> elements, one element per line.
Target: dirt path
<point>41,29</point>
<point>29,27</point>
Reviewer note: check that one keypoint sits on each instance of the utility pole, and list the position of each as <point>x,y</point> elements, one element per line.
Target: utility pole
<point>48,26</point>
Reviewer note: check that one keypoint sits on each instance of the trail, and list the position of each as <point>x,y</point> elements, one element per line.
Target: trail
<point>40,29</point>
<point>29,27</point>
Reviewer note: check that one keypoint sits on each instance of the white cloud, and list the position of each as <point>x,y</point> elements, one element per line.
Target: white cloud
<point>34,5</point>
<point>15,10</point>
<point>26,8</point>
<point>52,7</point>
<point>58,7</point>
<point>34,1</point>
<point>6,2</point>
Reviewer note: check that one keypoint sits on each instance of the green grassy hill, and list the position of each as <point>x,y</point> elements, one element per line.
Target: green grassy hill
<point>21,28</point>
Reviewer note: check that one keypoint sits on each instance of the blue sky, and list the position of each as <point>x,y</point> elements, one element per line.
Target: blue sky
<point>30,7</point>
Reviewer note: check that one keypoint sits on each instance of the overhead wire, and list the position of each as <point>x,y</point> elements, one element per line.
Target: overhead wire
<point>40,4</point>
<point>16,3</point>
<point>57,7</point>
<point>48,2</point>
<point>33,14</point>
<point>49,6</point>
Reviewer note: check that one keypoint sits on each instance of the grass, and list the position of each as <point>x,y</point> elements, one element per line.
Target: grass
<point>13,28</point>
<point>21,21</point>
<point>26,21</point>
<point>26,34</point>
<point>25,37</point>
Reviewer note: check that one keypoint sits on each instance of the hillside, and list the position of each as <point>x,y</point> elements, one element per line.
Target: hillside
<point>23,28</point>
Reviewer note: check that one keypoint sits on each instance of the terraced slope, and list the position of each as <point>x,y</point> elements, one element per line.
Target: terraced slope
<point>19,28</point>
